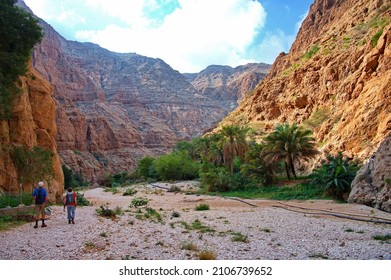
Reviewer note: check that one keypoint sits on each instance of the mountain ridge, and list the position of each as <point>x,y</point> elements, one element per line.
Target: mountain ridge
<point>114,108</point>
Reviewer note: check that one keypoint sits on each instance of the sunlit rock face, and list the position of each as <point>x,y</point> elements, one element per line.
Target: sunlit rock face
<point>336,79</point>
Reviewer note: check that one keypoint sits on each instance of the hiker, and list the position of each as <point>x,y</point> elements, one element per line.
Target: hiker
<point>40,196</point>
<point>70,202</point>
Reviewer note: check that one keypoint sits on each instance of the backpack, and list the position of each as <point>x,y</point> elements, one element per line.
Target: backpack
<point>40,197</point>
<point>69,199</point>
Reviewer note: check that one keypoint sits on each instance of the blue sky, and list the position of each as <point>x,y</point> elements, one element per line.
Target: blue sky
<point>187,34</point>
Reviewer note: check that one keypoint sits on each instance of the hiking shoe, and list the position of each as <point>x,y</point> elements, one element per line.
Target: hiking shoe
<point>35,226</point>
<point>73,221</point>
<point>44,225</point>
<point>69,221</point>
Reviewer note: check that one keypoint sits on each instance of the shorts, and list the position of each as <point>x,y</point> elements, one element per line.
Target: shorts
<point>39,209</point>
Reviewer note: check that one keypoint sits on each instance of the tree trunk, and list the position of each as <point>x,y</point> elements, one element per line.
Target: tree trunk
<point>292,167</point>
<point>287,170</point>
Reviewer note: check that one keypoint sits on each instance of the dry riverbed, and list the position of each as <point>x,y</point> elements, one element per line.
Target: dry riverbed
<point>231,229</point>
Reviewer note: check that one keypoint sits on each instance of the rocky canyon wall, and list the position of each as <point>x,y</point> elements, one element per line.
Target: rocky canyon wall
<point>336,79</point>
<point>32,123</point>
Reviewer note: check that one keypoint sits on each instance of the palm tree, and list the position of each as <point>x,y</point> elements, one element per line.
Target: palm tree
<point>233,144</point>
<point>207,149</point>
<point>289,143</point>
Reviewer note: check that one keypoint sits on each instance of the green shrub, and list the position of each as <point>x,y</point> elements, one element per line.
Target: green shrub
<point>32,164</point>
<point>385,238</point>
<point>139,201</point>
<point>153,215</point>
<point>202,207</point>
<point>309,54</point>
<point>129,192</point>
<point>216,179</point>
<point>106,212</point>
<point>145,167</point>
<point>176,166</point>
<point>72,178</point>
<point>118,210</point>
<point>7,222</point>
<point>335,175</point>
<point>376,37</point>
<point>81,200</point>
<point>239,237</point>
<point>14,200</point>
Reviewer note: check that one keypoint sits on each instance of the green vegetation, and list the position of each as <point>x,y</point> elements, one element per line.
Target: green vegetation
<point>176,166</point>
<point>19,32</point>
<point>202,207</point>
<point>335,175</point>
<point>72,178</point>
<point>231,163</point>
<point>311,52</point>
<point>130,192</point>
<point>239,237</point>
<point>289,143</point>
<point>106,212</point>
<point>145,168</point>
<point>10,221</point>
<point>33,164</point>
<point>197,225</point>
<point>303,191</point>
<point>376,37</point>
<point>138,202</point>
<point>81,200</point>
<point>153,215</point>
<point>384,238</point>
<point>14,200</point>
<point>233,144</point>
<point>317,118</point>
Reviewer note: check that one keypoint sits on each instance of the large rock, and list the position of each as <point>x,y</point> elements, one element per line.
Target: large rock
<point>372,185</point>
<point>32,123</point>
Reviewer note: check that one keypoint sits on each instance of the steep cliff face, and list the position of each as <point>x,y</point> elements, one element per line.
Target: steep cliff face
<point>226,84</point>
<point>32,123</point>
<point>336,79</point>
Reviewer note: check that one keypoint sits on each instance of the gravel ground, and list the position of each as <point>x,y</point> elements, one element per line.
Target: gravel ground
<point>230,230</point>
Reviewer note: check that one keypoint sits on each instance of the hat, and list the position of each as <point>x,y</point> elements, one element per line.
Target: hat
<point>40,184</point>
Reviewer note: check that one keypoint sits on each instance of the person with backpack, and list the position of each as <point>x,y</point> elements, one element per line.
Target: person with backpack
<point>40,198</point>
<point>70,202</point>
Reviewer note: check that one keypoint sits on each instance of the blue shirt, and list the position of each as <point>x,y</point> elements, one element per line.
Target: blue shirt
<point>44,194</point>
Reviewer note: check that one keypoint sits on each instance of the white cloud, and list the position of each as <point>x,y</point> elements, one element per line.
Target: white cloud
<point>40,8</point>
<point>199,33</point>
<point>272,45</point>
<point>129,12</point>
<point>70,16</point>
